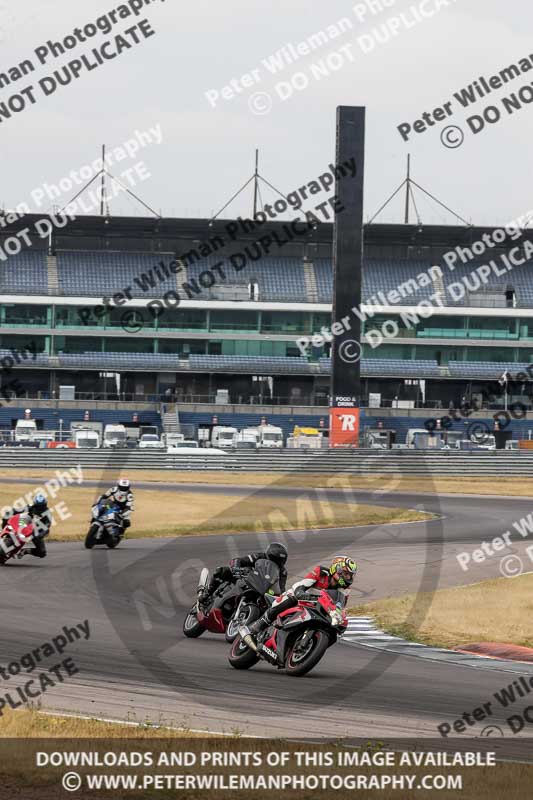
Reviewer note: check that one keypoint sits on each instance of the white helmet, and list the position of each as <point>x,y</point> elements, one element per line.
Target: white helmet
<point>124,484</point>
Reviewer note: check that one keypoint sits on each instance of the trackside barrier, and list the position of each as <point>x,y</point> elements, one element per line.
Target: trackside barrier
<point>357,462</point>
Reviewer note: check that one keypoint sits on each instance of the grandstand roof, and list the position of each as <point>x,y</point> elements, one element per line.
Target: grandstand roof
<point>86,232</point>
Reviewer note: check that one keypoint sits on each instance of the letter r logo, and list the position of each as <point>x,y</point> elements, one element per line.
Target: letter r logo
<point>348,422</point>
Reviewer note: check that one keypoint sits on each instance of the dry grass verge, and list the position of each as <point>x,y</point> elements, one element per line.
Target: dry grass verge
<point>395,482</point>
<point>490,611</point>
<point>31,724</point>
<point>159,513</point>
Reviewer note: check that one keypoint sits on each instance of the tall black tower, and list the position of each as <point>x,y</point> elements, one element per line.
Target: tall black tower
<point>347,263</point>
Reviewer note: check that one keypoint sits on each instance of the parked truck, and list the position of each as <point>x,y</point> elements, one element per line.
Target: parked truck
<point>305,439</point>
<point>247,439</point>
<point>115,436</point>
<point>88,438</point>
<point>172,439</point>
<point>223,436</point>
<point>25,429</point>
<point>270,436</point>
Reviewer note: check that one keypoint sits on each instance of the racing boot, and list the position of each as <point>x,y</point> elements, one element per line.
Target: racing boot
<point>256,627</point>
<point>249,636</point>
<point>203,597</point>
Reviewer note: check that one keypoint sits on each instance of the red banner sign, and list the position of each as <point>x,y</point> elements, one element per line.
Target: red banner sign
<point>344,427</point>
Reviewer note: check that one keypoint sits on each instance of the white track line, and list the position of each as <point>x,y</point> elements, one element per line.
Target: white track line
<point>147,725</point>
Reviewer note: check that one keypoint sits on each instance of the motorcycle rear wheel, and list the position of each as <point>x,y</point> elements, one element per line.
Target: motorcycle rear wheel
<point>249,615</point>
<point>300,664</point>
<point>191,627</point>
<point>242,656</point>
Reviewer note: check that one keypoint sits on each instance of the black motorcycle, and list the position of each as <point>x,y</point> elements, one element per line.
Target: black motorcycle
<point>107,527</point>
<point>233,603</point>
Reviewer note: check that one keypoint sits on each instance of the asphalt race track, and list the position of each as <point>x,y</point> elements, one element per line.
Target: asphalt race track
<point>138,666</point>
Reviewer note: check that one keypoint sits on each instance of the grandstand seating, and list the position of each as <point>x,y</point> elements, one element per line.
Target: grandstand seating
<point>392,367</point>
<point>40,360</point>
<point>25,273</point>
<point>102,272</point>
<point>267,365</point>
<point>278,278</point>
<point>98,273</point>
<point>483,369</point>
<point>118,361</point>
<point>254,364</point>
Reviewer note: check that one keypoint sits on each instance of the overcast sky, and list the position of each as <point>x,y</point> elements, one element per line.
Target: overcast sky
<point>207,153</point>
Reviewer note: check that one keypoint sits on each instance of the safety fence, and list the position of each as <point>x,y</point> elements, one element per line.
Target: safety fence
<point>355,462</point>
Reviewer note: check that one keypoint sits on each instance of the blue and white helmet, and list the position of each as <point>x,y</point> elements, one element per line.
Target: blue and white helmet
<point>40,503</point>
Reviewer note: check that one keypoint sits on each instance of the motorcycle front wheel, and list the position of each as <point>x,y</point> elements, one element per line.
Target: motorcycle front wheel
<point>248,615</point>
<point>90,539</point>
<point>302,659</point>
<point>191,627</point>
<point>242,656</point>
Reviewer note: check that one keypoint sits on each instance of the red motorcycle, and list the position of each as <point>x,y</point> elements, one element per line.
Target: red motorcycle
<point>17,533</point>
<point>298,638</point>
<point>234,603</point>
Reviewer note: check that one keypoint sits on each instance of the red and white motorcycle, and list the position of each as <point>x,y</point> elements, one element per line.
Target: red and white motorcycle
<point>17,533</point>
<point>298,637</point>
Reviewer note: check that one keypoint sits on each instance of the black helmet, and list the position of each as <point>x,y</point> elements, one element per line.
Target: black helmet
<point>277,553</point>
<point>40,504</point>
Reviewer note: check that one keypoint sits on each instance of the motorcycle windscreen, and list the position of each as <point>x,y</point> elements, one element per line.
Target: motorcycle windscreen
<point>263,576</point>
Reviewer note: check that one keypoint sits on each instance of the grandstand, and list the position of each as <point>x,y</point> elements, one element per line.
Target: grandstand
<point>239,331</point>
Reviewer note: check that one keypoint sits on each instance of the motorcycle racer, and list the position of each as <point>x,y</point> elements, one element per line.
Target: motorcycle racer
<point>339,575</point>
<point>122,496</point>
<point>275,552</point>
<point>41,519</point>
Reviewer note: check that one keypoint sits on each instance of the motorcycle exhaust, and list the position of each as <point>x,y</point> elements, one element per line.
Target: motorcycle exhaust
<point>247,638</point>
<point>250,642</point>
